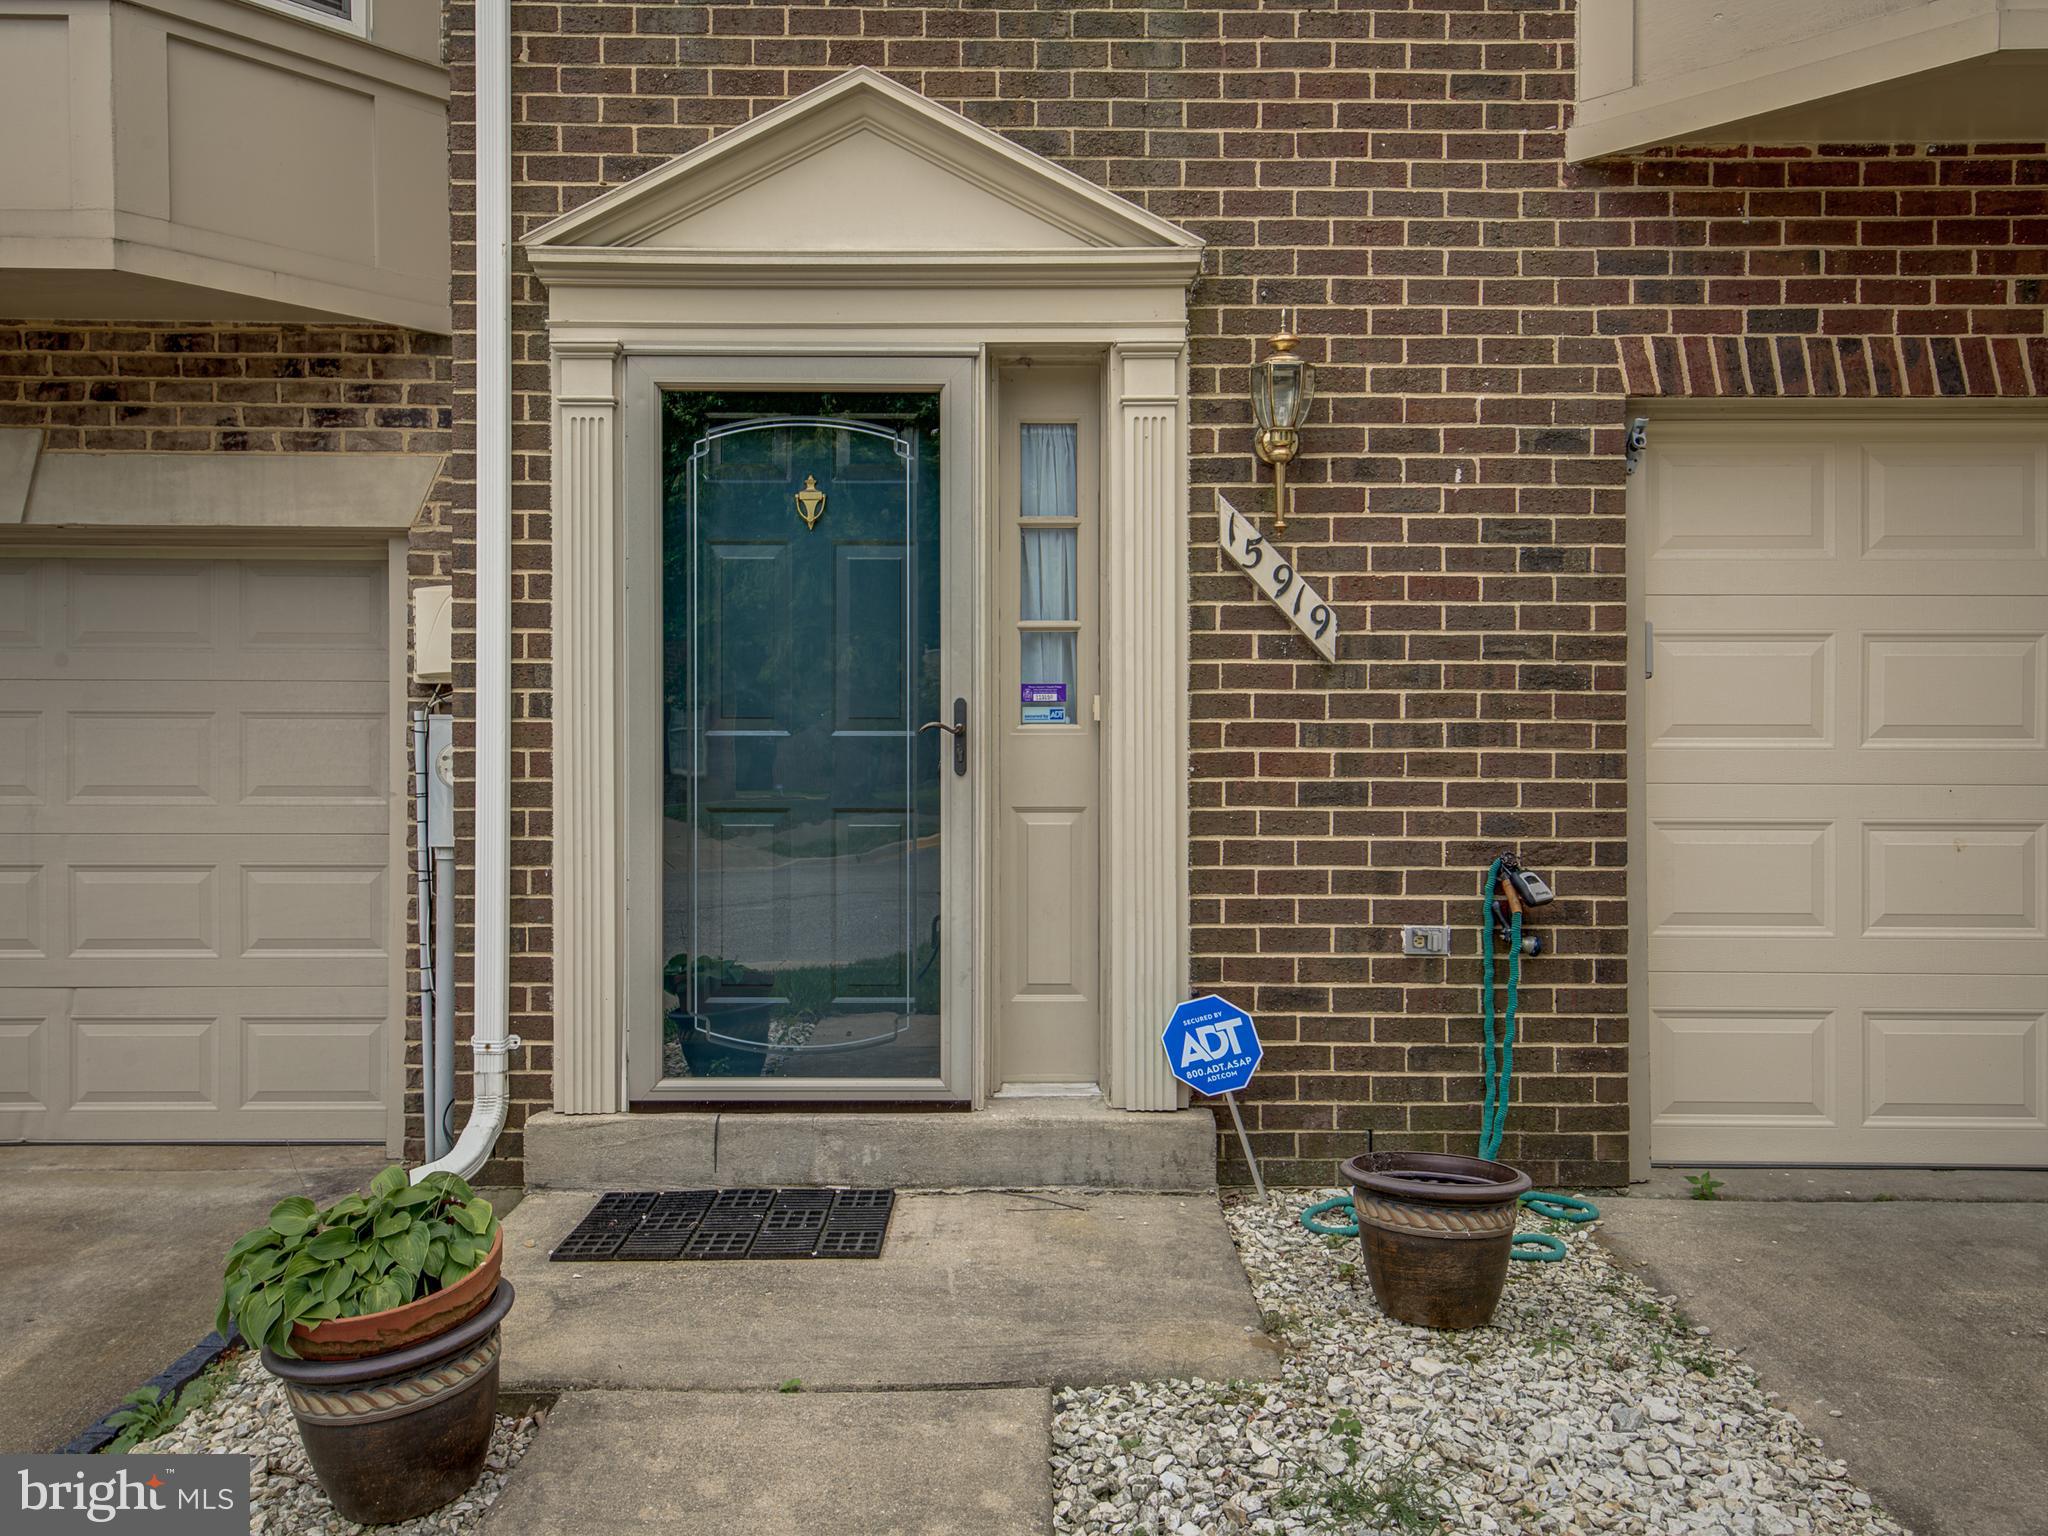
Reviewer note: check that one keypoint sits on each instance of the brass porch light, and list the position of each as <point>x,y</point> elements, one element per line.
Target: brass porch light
<point>1283,389</point>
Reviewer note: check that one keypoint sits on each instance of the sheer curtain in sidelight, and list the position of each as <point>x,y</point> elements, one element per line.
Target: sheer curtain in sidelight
<point>1049,604</point>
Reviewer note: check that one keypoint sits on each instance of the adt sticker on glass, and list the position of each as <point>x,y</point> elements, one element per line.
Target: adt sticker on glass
<point>1212,1045</point>
<point>1044,703</point>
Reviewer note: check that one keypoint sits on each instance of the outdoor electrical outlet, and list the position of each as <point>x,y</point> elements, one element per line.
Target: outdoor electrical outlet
<point>1418,940</point>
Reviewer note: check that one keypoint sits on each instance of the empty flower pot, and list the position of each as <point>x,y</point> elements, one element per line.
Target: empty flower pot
<point>1437,1231</point>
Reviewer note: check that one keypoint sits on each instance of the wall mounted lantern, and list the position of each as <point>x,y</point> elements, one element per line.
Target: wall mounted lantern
<point>1283,389</point>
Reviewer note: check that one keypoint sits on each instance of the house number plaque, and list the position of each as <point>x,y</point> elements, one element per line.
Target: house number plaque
<point>1273,574</point>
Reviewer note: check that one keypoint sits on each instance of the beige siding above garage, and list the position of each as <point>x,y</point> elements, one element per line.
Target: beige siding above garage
<point>1845,817</point>
<point>196,893</point>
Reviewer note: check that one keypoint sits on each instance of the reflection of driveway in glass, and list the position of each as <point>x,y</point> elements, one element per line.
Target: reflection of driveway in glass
<point>777,913</point>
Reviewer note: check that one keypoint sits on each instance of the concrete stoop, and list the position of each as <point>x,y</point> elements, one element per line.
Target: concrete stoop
<point>1011,1144</point>
<point>920,1382</point>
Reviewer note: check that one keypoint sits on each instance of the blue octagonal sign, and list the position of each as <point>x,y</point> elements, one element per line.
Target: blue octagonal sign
<point>1212,1045</point>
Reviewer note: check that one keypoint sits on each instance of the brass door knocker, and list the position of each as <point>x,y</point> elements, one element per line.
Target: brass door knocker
<point>810,502</point>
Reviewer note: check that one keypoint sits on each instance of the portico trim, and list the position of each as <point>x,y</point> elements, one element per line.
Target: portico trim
<point>1012,253</point>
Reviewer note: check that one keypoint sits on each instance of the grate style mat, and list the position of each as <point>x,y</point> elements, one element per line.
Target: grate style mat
<point>732,1224</point>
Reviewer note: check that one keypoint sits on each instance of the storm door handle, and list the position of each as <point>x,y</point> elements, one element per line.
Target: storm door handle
<point>957,730</point>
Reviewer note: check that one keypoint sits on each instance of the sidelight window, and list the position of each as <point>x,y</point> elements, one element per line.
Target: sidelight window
<point>1048,609</point>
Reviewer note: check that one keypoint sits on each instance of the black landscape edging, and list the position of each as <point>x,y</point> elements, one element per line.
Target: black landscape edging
<point>169,1382</point>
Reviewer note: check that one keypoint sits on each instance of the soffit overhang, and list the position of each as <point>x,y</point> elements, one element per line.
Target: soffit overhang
<point>1654,73</point>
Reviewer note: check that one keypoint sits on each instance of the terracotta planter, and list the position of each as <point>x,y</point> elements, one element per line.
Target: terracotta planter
<point>1437,1231</point>
<point>393,1436</point>
<point>378,1333</point>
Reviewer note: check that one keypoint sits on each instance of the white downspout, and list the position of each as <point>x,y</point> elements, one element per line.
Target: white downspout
<point>491,1042</point>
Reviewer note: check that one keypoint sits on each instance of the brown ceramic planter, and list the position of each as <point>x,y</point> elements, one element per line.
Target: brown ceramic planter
<point>1437,1231</point>
<point>396,1435</point>
<point>378,1333</point>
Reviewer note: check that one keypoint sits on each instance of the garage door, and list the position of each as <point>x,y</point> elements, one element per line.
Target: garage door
<point>194,850</point>
<point>1846,784</point>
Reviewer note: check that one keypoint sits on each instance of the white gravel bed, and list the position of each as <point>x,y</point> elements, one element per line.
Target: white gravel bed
<point>250,1417</point>
<point>1589,1405</point>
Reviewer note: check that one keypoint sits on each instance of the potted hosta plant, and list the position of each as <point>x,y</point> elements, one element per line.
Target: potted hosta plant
<point>380,1314</point>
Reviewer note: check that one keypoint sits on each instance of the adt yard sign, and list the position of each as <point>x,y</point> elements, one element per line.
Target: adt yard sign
<point>1212,1045</point>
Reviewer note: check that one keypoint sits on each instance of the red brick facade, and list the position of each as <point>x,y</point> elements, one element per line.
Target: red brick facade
<point>1481,312</point>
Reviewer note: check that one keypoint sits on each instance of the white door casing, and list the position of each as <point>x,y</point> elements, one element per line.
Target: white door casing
<point>1842,829</point>
<point>854,231</point>
<point>641,714</point>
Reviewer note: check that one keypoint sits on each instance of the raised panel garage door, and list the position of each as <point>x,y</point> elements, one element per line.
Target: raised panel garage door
<point>1846,792</point>
<point>195,821</point>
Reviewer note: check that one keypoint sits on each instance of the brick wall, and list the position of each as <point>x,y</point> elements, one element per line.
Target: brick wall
<point>181,388</point>
<point>1391,169</point>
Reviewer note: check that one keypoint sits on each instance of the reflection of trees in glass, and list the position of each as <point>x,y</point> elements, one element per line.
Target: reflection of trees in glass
<point>768,660</point>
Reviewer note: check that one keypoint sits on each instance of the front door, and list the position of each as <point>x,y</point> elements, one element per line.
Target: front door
<point>800,584</point>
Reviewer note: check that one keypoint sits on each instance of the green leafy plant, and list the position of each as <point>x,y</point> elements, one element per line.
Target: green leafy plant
<point>364,1253</point>
<point>1705,1186</point>
<point>149,1411</point>
<point>794,1384</point>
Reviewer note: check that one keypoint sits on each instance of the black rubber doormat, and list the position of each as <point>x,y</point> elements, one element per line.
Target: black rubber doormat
<point>731,1224</point>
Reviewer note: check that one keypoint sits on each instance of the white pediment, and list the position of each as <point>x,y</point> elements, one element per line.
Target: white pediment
<point>860,166</point>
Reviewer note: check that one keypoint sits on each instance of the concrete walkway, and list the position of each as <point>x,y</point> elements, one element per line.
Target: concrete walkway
<point>944,1463</point>
<point>1923,1325</point>
<point>110,1264</point>
<point>909,1393</point>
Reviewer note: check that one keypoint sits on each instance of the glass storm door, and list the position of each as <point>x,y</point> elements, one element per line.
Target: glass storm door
<point>800,627</point>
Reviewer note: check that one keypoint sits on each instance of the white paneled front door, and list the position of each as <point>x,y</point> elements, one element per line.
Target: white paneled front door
<point>1845,818</point>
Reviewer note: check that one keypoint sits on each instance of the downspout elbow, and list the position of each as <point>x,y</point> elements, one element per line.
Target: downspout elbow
<point>488,1107</point>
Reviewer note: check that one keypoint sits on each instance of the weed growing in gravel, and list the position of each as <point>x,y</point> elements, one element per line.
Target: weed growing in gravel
<point>1405,1498</point>
<point>147,1412</point>
<point>1553,1339</point>
<point>1704,1365</point>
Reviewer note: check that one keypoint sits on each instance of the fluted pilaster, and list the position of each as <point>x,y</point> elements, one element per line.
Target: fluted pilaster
<point>1145,806</point>
<point>587,851</point>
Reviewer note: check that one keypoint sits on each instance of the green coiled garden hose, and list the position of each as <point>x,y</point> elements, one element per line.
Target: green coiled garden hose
<point>1499,1057</point>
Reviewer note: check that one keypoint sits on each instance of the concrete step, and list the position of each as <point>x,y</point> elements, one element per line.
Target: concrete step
<point>1011,1144</point>
<point>971,1290</point>
<point>785,1464</point>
